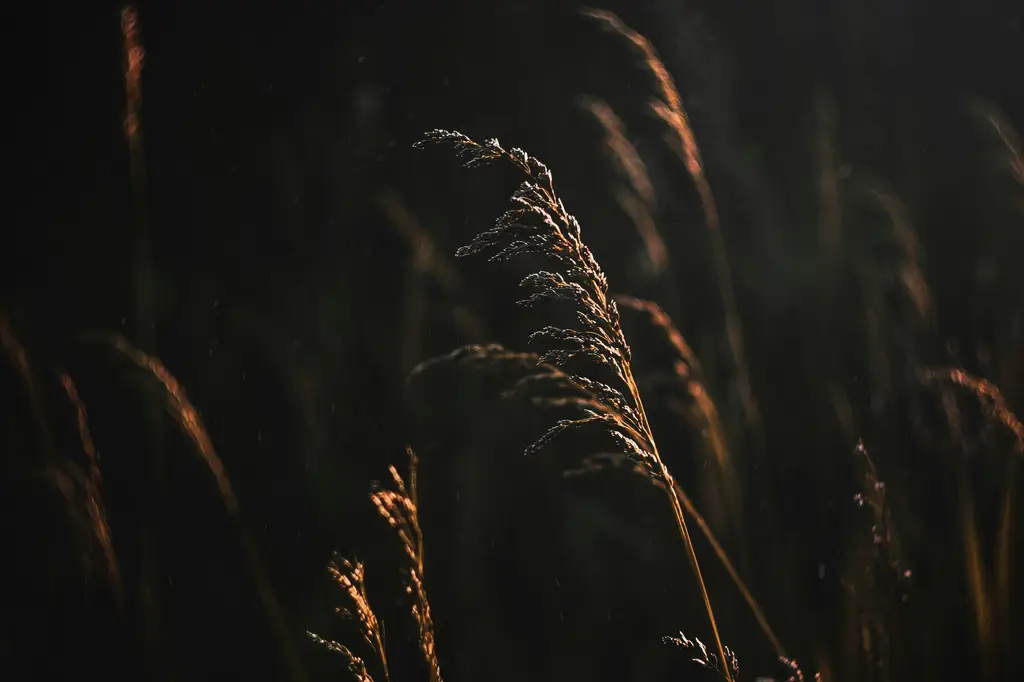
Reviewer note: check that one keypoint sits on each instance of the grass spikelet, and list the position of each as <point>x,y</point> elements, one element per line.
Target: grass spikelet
<point>356,665</point>
<point>351,578</point>
<point>880,585</point>
<point>518,366</point>
<point>540,224</point>
<point>399,507</point>
<point>988,395</point>
<point>794,671</point>
<point>1007,138</point>
<point>78,488</point>
<point>728,665</point>
<point>92,483</point>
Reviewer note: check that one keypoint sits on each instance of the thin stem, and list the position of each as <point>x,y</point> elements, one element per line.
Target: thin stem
<point>755,608</point>
<point>684,531</point>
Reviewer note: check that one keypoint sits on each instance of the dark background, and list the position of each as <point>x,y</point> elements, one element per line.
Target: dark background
<point>277,138</point>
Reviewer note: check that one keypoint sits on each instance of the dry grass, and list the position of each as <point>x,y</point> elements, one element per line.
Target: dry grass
<point>594,358</point>
<point>350,577</point>
<point>93,487</point>
<point>990,590</point>
<point>878,581</point>
<point>399,507</point>
<point>178,405</point>
<point>668,106</point>
<point>82,491</point>
<point>636,197</point>
<point>540,224</point>
<point>587,369</point>
<point>548,386</point>
<point>727,668</point>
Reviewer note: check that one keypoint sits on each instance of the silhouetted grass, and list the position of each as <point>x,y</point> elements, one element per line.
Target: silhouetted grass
<point>906,563</point>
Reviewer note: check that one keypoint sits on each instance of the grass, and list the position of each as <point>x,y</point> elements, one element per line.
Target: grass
<point>944,442</point>
<point>541,224</point>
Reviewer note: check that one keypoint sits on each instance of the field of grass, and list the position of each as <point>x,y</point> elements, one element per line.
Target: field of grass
<point>751,414</point>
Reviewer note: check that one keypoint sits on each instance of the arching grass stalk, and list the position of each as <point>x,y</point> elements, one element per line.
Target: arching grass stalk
<point>539,224</point>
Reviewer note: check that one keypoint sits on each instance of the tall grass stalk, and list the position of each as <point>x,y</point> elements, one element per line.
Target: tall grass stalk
<point>669,107</point>
<point>540,224</point>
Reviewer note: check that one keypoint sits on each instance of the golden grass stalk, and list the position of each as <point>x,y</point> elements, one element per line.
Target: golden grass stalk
<point>134,58</point>
<point>399,507</point>
<point>134,54</point>
<point>636,200</point>
<point>66,475</point>
<point>1007,137</point>
<point>93,484</point>
<point>989,594</point>
<point>703,414</point>
<point>351,578</point>
<point>977,579</point>
<point>987,394</point>
<point>19,358</point>
<point>669,107</point>
<point>701,411</point>
<point>540,224</point>
<point>622,152</point>
<point>600,462</point>
<point>890,336</point>
<point>179,406</point>
<point>909,272</point>
<point>716,546</point>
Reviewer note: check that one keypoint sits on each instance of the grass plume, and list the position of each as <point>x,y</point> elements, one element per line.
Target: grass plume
<point>540,224</point>
<point>399,506</point>
<point>727,666</point>
<point>351,578</point>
